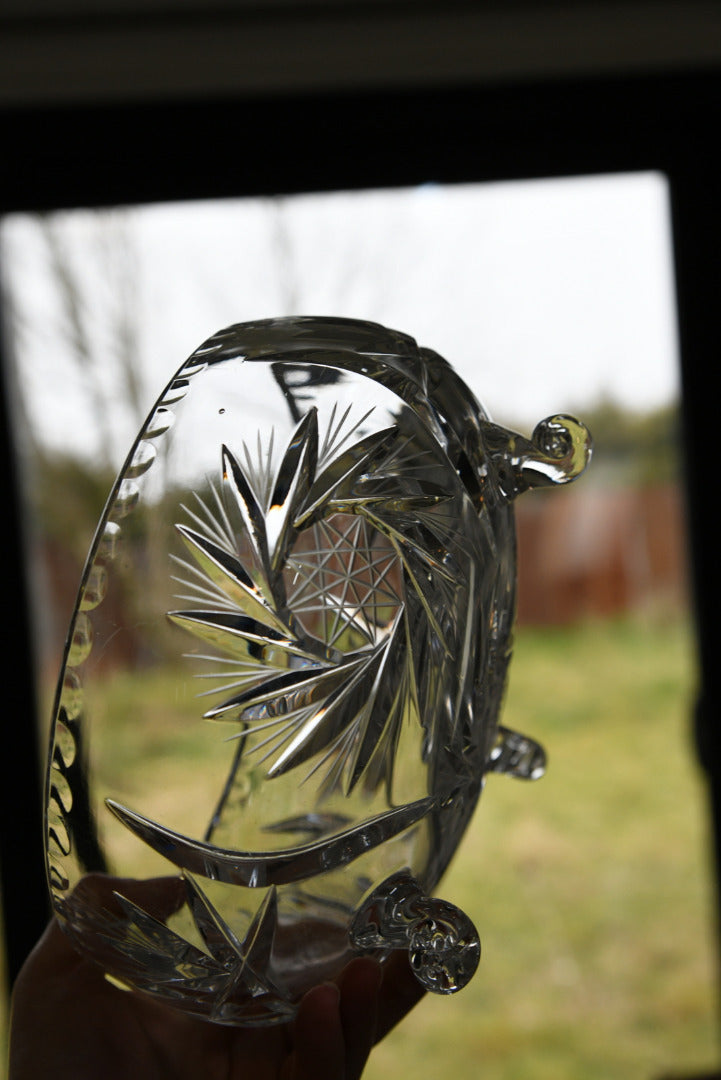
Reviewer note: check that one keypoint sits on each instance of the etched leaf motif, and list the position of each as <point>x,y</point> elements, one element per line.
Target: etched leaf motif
<point>230,579</point>
<point>224,977</point>
<point>300,576</point>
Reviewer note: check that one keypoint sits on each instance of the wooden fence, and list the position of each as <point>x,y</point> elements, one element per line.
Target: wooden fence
<point>597,552</point>
<point>582,552</point>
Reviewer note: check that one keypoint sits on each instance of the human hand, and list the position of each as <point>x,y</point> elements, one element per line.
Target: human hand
<point>70,1023</point>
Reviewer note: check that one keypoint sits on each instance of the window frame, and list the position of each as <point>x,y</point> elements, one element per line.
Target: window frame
<point>92,155</point>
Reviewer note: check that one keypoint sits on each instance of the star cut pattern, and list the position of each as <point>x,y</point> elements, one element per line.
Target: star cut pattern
<point>349,582</point>
<point>228,980</point>
<point>303,577</point>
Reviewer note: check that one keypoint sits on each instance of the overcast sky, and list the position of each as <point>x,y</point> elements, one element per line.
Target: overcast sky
<point>543,294</point>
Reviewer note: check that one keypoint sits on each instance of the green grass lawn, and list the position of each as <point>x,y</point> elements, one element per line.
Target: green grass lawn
<point>590,889</point>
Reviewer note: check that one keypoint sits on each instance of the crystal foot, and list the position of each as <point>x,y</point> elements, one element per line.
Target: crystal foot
<point>442,942</point>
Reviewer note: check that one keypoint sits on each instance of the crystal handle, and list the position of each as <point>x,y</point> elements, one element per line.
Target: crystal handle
<point>442,942</point>
<point>558,451</point>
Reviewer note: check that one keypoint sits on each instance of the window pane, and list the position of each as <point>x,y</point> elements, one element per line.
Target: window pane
<point>589,890</point>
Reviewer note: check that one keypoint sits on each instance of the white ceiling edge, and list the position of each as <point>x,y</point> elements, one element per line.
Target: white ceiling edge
<point>55,61</point>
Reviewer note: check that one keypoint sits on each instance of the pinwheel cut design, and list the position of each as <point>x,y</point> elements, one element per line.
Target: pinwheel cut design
<point>302,579</point>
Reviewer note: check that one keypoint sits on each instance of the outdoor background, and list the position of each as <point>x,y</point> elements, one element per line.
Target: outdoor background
<point>591,889</point>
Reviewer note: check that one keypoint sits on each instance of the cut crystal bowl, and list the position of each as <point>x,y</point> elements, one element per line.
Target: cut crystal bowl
<point>282,679</point>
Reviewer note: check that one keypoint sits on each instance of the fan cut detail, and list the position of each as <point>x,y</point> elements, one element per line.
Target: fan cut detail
<point>299,578</point>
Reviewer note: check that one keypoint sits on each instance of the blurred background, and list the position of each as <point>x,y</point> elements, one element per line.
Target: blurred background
<point>592,889</point>
<point>173,166</point>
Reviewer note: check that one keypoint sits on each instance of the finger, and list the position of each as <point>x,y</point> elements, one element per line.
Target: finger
<point>318,1047</point>
<point>159,897</point>
<point>53,953</point>
<point>399,992</point>
<point>359,985</point>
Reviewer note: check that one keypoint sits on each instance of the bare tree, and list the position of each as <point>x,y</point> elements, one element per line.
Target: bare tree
<point>98,291</point>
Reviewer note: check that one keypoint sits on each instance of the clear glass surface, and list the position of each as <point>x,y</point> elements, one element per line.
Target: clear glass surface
<point>283,676</point>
